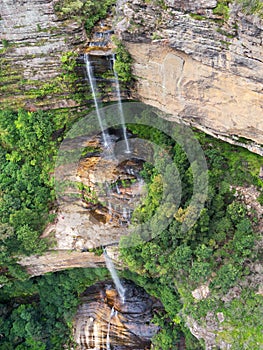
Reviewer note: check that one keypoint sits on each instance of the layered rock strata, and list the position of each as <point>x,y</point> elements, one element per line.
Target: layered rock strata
<point>103,321</point>
<point>97,193</point>
<point>60,260</point>
<point>205,73</point>
<point>33,42</point>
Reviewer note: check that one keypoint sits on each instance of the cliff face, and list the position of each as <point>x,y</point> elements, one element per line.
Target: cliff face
<point>103,321</point>
<point>33,41</point>
<point>204,73</point>
<point>60,260</point>
<point>188,61</point>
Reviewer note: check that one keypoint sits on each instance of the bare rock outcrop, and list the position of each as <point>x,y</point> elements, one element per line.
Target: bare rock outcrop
<point>205,74</point>
<point>60,260</point>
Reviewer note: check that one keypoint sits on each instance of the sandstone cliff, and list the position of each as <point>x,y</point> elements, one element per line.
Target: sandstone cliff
<point>60,260</point>
<point>33,41</point>
<point>189,63</point>
<point>204,69</point>
<point>103,321</point>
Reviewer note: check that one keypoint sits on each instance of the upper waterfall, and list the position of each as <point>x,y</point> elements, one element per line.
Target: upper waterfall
<point>93,85</point>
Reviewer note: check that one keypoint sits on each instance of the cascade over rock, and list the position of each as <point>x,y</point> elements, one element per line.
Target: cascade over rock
<point>104,322</point>
<point>97,210</point>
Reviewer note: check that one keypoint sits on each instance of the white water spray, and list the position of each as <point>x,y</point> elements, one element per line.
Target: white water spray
<point>114,275</point>
<point>93,86</point>
<point>108,332</point>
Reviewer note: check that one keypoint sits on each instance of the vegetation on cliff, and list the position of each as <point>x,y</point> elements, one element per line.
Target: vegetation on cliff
<point>27,147</point>
<point>219,252</point>
<point>82,10</point>
<point>254,7</point>
<point>123,63</point>
<point>37,313</point>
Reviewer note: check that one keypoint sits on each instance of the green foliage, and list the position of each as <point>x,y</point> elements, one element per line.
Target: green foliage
<point>27,149</point>
<point>5,43</point>
<point>244,316</point>
<point>222,9</point>
<point>89,12</point>
<point>260,199</point>
<point>156,36</point>
<point>68,60</point>
<point>37,314</point>
<point>254,7</point>
<point>197,17</point>
<point>169,336</point>
<point>160,3</point>
<point>123,62</point>
<point>88,195</point>
<point>67,84</point>
<point>215,249</point>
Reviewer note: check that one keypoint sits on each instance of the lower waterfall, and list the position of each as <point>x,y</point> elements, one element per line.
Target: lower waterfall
<point>114,275</point>
<point>112,324</point>
<point>108,332</point>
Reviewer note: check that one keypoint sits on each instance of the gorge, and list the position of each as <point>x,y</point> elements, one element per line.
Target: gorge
<point>111,127</point>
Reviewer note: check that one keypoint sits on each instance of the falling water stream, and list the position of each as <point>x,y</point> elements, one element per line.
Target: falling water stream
<point>108,332</point>
<point>119,287</point>
<point>114,275</point>
<point>93,86</point>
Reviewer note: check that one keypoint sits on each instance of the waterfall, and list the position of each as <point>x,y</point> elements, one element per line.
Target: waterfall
<point>88,336</point>
<point>93,86</point>
<point>118,189</point>
<point>114,275</point>
<point>110,208</point>
<point>117,84</point>
<point>108,332</point>
<point>97,336</point>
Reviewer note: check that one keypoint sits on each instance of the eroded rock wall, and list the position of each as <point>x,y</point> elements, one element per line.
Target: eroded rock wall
<point>103,321</point>
<point>204,72</point>
<point>33,41</point>
<point>219,103</point>
<point>60,260</point>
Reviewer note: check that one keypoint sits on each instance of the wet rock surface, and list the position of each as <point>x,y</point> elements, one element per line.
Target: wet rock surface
<point>101,191</point>
<point>103,321</point>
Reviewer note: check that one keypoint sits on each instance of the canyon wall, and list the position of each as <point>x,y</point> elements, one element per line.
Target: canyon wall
<point>33,40</point>
<point>202,67</point>
<point>203,71</point>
